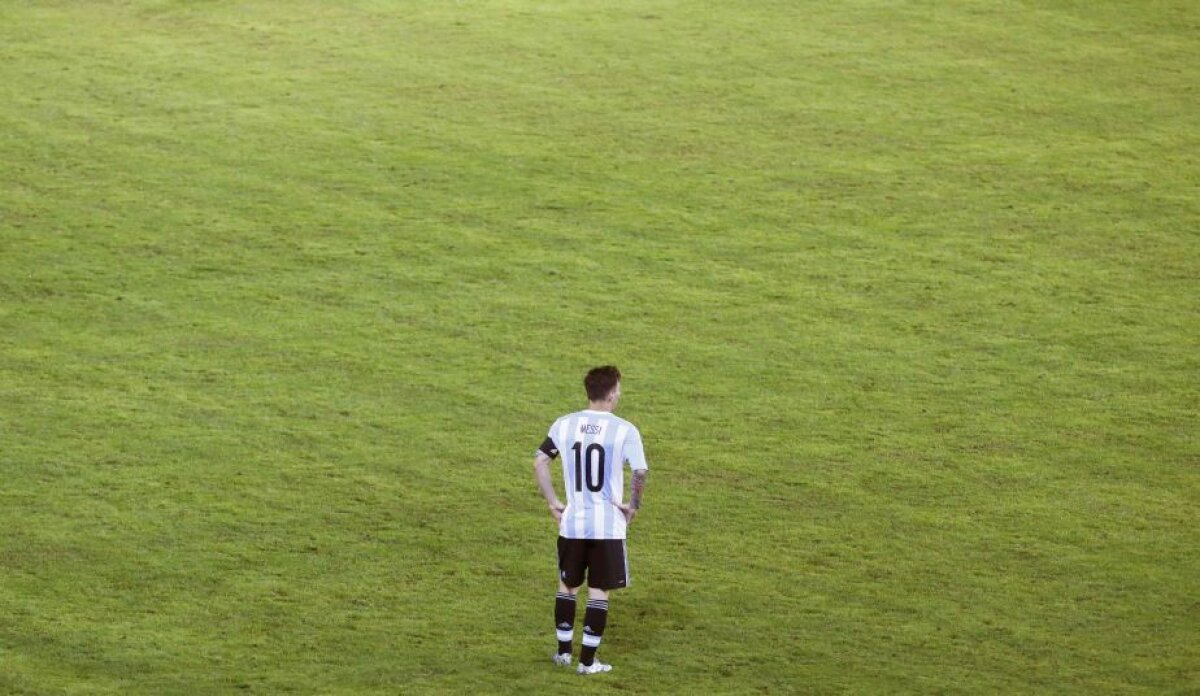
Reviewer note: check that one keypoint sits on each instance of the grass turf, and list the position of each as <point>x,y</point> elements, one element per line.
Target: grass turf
<point>905,295</point>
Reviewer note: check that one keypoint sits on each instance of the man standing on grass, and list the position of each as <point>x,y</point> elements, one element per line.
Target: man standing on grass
<point>591,527</point>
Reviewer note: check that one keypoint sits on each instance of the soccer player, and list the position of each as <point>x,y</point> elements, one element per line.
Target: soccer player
<point>595,445</point>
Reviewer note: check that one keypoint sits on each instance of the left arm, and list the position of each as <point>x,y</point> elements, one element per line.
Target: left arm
<point>541,469</point>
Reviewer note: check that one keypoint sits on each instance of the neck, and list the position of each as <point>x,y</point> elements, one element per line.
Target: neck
<point>600,406</point>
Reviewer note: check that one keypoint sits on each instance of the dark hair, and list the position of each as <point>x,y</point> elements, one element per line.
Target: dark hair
<point>600,381</point>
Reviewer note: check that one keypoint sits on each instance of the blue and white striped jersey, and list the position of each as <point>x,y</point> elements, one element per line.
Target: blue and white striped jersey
<point>595,446</point>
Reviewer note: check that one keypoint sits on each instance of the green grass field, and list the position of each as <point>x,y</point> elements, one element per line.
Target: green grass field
<point>906,295</point>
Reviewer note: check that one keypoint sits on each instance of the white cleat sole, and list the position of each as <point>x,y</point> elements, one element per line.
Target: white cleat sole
<point>596,667</point>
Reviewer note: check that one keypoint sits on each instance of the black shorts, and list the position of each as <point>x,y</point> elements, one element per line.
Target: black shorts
<point>602,560</point>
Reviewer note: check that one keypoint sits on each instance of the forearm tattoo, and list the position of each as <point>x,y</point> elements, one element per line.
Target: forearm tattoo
<point>639,485</point>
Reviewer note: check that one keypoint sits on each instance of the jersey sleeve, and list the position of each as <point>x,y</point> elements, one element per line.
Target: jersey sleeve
<point>548,447</point>
<point>634,454</point>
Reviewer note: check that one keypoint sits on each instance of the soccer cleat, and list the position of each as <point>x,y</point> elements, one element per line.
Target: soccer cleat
<point>597,667</point>
<point>562,659</point>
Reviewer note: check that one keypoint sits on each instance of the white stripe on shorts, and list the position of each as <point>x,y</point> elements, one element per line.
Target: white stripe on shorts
<point>625,553</point>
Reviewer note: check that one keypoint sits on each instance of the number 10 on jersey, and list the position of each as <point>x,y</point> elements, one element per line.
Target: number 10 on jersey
<point>588,462</point>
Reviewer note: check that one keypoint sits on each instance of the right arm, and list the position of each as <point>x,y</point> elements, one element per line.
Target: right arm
<point>637,461</point>
<point>636,488</point>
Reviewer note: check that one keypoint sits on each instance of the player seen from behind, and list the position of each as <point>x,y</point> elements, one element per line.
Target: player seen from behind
<point>595,445</point>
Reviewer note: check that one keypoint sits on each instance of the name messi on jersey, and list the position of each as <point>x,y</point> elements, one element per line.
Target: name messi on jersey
<point>591,429</point>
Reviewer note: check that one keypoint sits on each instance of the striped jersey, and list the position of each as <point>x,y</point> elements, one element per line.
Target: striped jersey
<point>595,446</point>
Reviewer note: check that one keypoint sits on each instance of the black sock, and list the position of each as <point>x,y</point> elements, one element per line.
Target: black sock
<point>594,620</point>
<point>564,621</point>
